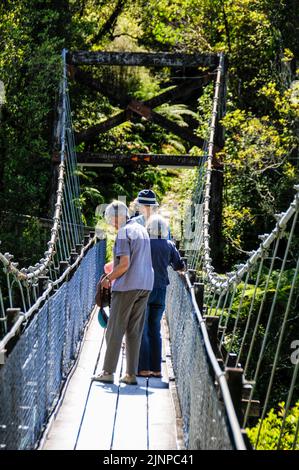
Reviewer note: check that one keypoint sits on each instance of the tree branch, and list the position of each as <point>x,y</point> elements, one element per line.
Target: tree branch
<point>108,27</point>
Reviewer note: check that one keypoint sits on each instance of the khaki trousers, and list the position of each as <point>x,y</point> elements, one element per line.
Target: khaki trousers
<point>127,316</point>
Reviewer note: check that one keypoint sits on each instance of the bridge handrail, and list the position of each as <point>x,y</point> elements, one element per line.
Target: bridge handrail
<point>237,275</point>
<point>219,374</point>
<point>24,317</point>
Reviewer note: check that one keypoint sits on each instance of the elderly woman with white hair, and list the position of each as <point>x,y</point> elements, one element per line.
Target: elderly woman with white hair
<point>164,254</point>
<point>133,278</point>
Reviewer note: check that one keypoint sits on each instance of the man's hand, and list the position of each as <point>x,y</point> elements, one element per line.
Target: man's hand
<point>181,272</point>
<point>119,270</point>
<point>105,282</point>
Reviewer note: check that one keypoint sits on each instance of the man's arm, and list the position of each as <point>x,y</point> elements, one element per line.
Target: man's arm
<point>176,261</point>
<point>119,270</point>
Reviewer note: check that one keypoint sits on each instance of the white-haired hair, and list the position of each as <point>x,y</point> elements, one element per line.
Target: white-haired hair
<point>157,226</point>
<point>117,209</point>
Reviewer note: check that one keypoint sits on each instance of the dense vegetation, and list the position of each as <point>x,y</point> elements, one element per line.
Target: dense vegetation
<point>260,155</point>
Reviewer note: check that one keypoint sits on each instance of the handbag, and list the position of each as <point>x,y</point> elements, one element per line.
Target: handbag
<point>103,301</point>
<point>103,317</point>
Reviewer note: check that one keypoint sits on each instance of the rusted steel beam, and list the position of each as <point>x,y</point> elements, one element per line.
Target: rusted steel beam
<point>140,109</point>
<point>184,132</point>
<point>97,159</point>
<point>99,85</point>
<point>146,59</point>
<point>104,126</point>
<point>178,92</point>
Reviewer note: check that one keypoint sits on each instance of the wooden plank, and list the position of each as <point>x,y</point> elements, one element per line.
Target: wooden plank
<point>98,421</point>
<point>146,59</point>
<point>161,421</point>
<point>64,430</point>
<point>90,158</point>
<point>95,413</point>
<point>131,418</point>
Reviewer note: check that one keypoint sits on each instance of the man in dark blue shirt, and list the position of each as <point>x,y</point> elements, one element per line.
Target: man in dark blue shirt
<point>147,205</point>
<point>164,254</point>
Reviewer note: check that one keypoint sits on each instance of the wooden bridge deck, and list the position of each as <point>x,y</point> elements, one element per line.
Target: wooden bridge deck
<point>95,416</point>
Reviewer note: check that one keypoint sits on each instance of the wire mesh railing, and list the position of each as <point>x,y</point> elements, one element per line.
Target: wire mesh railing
<point>209,419</point>
<point>36,368</point>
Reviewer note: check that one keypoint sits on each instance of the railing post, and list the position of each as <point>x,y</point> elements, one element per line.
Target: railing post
<point>234,377</point>
<point>63,265</point>
<point>42,284</point>
<point>3,326</point>
<point>185,259</point>
<point>86,239</point>
<point>12,315</point>
<point>79,247</point>
<point>2,357</point>
<point>255,405</point>
<point>212,323</point>
<point>232,360</point>
<point>192,275</point>
<point>199,294</point>
<point>73,256</point>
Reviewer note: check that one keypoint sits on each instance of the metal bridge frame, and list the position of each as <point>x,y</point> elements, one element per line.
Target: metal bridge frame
<point>135,108</point>
<point>209,63</point>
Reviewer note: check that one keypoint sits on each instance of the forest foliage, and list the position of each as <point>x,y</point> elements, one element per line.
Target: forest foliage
<point>260,155</point>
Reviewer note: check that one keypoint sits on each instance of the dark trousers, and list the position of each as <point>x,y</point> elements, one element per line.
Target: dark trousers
<point>151,343</point>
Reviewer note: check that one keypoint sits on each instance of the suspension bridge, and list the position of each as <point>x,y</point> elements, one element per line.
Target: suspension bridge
<point>221,377</point>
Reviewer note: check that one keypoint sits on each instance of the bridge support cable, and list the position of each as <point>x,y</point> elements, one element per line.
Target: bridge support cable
<point>255,307</point>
